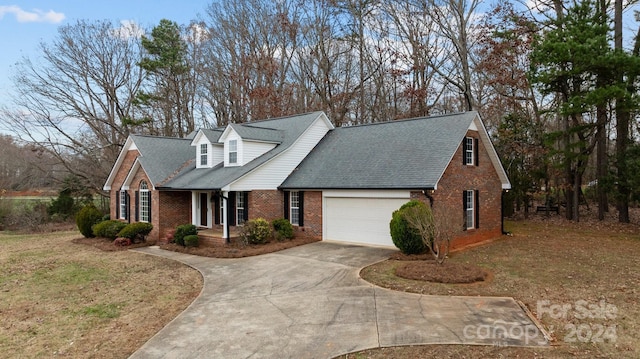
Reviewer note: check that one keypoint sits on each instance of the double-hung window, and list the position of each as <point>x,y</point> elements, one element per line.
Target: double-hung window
<point>233,152</point>
<point>471,207</point>
<point>240,206</point>
<point>123,204</point>
<point>204,154</point>
<point>294,208</point>
<point>145,202</point>
<point>468,151</point>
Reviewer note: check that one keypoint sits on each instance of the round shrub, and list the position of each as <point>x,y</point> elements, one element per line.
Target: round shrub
<point>256,231</point>
<point>405,238</point>
<point>182,231</point>
<point>283,228</point>
<point>88,216</point>
<point>191,240</point>
<point>134,231</point>
<point>108,229</point>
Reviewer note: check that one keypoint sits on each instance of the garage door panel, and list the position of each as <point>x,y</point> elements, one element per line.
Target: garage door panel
<point>361,220</point>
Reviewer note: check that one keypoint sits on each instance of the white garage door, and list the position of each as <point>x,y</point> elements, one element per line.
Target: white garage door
<point>360,220</point>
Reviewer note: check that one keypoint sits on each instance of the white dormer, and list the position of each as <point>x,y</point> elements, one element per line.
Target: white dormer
<point>239,151</point>
<point>207,154</point>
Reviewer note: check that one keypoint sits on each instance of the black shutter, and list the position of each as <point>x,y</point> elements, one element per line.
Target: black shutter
<point>246,207</point>
<point>231,208</point>
<point>475,150</point>
<point>117,205</point>
<point>150,206</point>
<point>137,198</point>
<point>464,151</point>
<point>216,208</point>
<point>464,210</point>
<point>286,204</point>
<point>127,200</point>
<point>477,208</point>
<point>301,209</point>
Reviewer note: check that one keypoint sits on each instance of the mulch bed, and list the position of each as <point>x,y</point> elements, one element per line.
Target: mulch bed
<point>236,249</point>
<point>447,272</point>
<point>107,245</point>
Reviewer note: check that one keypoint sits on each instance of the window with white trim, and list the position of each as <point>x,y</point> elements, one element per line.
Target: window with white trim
<point>145,202</point>
<point>294,208</point>
<point>123,204</point>
<point>468,151</point>
<point>233,152</point>
<point>240,203</point>
<point>469,209</point>
<point>204,154</point>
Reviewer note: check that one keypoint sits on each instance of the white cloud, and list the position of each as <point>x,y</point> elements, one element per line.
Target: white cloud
<point>128,29</point>
<point>36,15</point>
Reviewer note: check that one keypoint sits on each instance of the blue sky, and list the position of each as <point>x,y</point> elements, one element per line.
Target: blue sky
<point>24,24</point>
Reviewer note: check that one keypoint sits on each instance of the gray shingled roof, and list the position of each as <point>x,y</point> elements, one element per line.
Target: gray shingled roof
<point>213,135</point>
<point>257,131</point>
<point>408,154</point>
<point>162,156</point>
<point>288,130</point>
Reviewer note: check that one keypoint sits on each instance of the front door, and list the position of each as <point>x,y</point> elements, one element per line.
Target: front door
<point>204,207</point>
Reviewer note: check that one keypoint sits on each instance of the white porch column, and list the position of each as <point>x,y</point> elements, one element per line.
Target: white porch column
<point>225,217</point>
<point>194,208</point>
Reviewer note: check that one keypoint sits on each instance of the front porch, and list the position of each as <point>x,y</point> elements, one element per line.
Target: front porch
<point>215,236</point>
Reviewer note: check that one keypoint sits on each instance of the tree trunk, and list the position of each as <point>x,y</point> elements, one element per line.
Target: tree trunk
<point>622,128</point>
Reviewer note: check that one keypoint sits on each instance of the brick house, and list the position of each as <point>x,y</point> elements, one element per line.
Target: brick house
<point>331,183</point>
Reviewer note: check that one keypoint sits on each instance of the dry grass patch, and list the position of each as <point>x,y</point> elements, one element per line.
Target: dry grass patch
<point>64,299</point>
<point>549,260</point>
<point>447,272</point>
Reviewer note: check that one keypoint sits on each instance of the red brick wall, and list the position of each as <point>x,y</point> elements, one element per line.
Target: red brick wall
<point>128,161</point>
<point>174,209</point>
<point>447,197</point>
<point>266,204</point>
<point>312,215</point>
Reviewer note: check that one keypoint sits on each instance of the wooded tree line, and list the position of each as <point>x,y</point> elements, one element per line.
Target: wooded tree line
<point>554,84</point>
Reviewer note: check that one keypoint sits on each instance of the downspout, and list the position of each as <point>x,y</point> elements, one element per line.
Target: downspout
<point>427,193</point>
<point>502,212</point>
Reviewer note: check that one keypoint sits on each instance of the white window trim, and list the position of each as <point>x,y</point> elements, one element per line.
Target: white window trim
<point>144,210</point>
<point>233,143</point>
<point>241,202</point>
<point>470,212</point>
<point>204,154</point>
<point>123,204</point>
<point>294,197</point>
<point>469,154</point>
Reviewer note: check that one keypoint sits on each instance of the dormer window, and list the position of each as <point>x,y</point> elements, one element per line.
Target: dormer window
<point>204,154</point>
<point>233,152</point>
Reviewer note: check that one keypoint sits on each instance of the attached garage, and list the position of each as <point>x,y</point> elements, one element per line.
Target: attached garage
<point>360,216</point>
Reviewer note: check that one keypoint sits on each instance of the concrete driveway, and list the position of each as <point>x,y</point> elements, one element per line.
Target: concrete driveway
<point>309,302</point>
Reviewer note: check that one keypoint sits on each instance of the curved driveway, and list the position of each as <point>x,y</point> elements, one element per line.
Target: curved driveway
<point>309,302</point>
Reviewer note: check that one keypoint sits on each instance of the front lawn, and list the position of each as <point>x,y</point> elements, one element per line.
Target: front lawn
<point>580,279</point>
<point>58,298</point>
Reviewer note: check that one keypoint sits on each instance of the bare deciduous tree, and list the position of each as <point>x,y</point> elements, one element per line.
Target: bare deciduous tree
<point>75,101</point>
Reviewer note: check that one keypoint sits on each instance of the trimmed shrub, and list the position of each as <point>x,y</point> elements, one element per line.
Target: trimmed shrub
<point>135,231</point>
<point>256,231</point>
<point>283,228</point>
<point>182,231</point>
<point>108,229</point>
<point>88,216</point>
<point>404,237</point>
<point>191,240</point>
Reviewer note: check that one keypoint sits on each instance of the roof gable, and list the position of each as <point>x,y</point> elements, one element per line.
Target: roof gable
<point>386,155</point>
